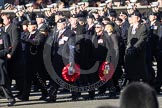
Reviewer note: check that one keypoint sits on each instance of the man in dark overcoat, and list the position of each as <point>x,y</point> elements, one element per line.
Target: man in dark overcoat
<point>135,58</point>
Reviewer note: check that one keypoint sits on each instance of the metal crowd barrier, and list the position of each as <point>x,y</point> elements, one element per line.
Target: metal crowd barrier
<point>67,10</point>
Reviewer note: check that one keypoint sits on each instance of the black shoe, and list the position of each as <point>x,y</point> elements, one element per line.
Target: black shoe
<point>23,99</point>
<point>43,98</point>
<point>50,99</point>
<point>157,91</point>
<point>88,98</point>
<point>75,99</point>
<point>101,92</point>
<point>11,103</point>
<point>112,95</point>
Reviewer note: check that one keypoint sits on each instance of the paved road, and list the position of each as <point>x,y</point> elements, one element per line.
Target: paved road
<point>64,102</point>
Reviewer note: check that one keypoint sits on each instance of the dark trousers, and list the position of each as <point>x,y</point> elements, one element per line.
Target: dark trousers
<point>159,73</point>
<point>52,91</point>
<point>7,92</point>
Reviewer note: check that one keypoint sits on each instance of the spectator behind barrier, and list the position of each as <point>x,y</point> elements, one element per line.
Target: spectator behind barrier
<point>138,95</point>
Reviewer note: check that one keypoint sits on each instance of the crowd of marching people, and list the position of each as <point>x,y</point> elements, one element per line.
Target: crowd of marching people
<point>125,45</point>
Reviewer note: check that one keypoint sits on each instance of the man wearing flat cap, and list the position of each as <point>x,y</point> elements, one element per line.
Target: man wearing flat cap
<point>13,56</point>
<point>135,58</point>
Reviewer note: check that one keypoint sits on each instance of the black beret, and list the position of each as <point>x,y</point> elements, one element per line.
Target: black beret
<point>152,13</point>
<point>111,23</point>
<point>25,22</point>
<point>107,19</point>
<point>99,23</point>
<point>32,22</point>
<point>61,20</point>
<point>39,15</point>
<point>43,29</point>
<point>129,15</point>
<point>136,13</point>
<point>123,12</point>
<point>112,14</point>
<point>74,15</point>
<point>90,16</point>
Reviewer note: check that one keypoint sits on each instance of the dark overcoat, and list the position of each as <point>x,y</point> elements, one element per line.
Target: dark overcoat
<point>135,64</point>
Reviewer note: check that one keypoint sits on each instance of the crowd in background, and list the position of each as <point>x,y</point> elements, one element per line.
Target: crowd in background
<point>67,3</point>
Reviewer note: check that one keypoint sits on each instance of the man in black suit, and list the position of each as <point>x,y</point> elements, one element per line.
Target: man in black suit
<point>60,37</point>
<point>34,60</point>
<point>4,78</point>
<point>12,31</point>
<point>13,57</point>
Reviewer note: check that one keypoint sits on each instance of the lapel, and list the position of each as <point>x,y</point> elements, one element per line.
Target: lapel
<point>61,35</point>
<point>9,28</point>
<point>138,29</point>
<point>130,30</point>
<point>3,28</point>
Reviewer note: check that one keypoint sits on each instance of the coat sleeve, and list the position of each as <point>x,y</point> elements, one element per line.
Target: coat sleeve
<point>15,39</point>
<point>142,39</point>
<point>38,40</point>
<point>7,46</point>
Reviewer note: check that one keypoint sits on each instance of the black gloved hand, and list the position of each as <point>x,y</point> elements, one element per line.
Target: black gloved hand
<point>131,51</point>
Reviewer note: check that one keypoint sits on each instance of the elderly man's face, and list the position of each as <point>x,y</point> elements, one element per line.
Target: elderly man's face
<point>135,19</point>
<point>32,28</point>
<point>98,28</point>
<point>152,17</point>
<point>122,16</point>
<point>61,26</point>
